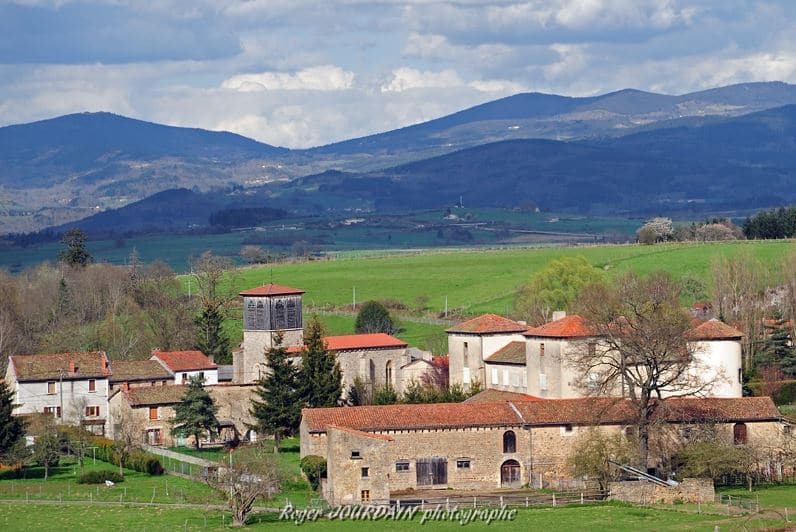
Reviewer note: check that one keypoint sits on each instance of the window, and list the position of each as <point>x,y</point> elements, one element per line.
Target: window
<point>388,372</point>
<point>541,349</point>
<point>739,434</point>
<point>786,429</point>
<point>355,455</point>
<point>153,412</point>
<point>515,380</point>
<point>466,352</point>
<point>463,463</point>
<point>740,375</point>
<point>184,377</point>
<point>51,387</point>
<point>495,377</point>
<point>152,383</point>
<point>92,385</point>
<point>466,376</point>
<point>53,410</point>
<point>509,442</point>
<point>202,375</point>
<point>92,411</point>
<point>543,382</point>
<point>365,472</point>
<point>592,349</point>
<point>402,466</point>
<point>567,430</point>
<point>505,377</point>
<point>364,495</point>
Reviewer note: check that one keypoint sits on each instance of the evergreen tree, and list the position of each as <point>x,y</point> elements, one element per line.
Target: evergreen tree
<point>210,336</point>
<point>76,252</point>
<point>320,376</point>
<point>11,428</point>
<point>278,404</point>
<point>374,317</point>
<point>195,414</point>
<point>777,350</point>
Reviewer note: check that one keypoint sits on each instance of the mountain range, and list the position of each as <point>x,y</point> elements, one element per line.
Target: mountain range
<point>630,151</point>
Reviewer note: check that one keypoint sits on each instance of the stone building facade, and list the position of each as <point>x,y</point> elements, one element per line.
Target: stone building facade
<point>494,444</point>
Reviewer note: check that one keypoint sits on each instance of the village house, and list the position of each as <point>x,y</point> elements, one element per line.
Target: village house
<point>184,365</point>
<point>373,451</point>
<point>73,387</point>
<point>128,374</point>
<point>540,361</point>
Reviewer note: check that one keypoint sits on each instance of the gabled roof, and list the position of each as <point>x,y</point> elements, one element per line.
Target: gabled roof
<point>491,395</point>
<point>271,289</point>
<point>540,412</point>
<point>512,353</point>
<point>70,366</point>
<point>362,341</point>
<point>137,370</point>
<point>168,394</point>
<point>572,326</point>
<point>488,324</point>
<point>714,330</point>
<point>183,360</point>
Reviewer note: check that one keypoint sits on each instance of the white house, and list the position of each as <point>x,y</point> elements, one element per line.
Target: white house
<point>186,364</point>
<point>73,387</point>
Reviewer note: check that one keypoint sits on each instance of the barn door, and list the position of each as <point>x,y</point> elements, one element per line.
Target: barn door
<point>431,471</point>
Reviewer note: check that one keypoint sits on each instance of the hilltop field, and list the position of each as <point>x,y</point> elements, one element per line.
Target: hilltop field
<point>475,281</point>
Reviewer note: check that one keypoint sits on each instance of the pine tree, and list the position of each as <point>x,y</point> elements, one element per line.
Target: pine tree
<point>278,406</point>
<point>11,428</point>
<point>778,351</point>
<point>76,252</point>
<point>195,414</point>
<point>210,336</point>
<point>320,376</point>
<point>374,317</point>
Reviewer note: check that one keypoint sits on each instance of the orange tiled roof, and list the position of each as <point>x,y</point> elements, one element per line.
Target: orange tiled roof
<point>491,395</point>
<point>169,394</point>
<point>184,360</point>
<point>541,412</point>
<point>714,330</point>
<point>512,353</point>
<point>84,365</point>
<point>271,289</point>
<point>362,341</point>
<point>488,324</point>
<point>567,327</point>
<point>133,370</point>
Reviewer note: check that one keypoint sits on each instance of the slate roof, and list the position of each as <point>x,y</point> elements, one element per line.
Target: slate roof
<point>714,330</point>
<point>541,412</point>
<point>488,324</point>
<point>88,365</point>
<point>184,360</point>
<point>511,353</point>
<point>137,370</point>
<point>271,289</point>
<point>572,326</point>
<point>155,395</point>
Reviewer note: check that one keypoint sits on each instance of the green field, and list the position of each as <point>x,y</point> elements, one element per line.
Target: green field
<point>475,281</point>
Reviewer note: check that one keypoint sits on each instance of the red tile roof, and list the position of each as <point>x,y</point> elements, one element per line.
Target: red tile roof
<point>75,366</point>
<point>361,433</point>
<point>567,327</point>
<point>362,341</point>
<point>184,360</point>
<point>155,395</point>
<point>541,412</point>
<point>714,330</point>
<point>491,395</point>
<point>137,370</point>
<point>271,289</point>
<point>488,324</point>
<point>512,353</point>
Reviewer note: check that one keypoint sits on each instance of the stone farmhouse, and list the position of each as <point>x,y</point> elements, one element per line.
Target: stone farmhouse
<point>485,444</point>
<point>506,355</point>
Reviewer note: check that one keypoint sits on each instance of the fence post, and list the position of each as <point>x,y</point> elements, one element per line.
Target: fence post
<point>501,501</point>
<point>526,502</point>
<point>786,516</point>
<point>475,505</point>
<point>554,499</point>
<point>581,497</point>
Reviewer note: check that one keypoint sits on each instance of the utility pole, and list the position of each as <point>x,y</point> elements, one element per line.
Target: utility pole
<point>61,390</point>
<point>446,307</point>
<point>354,305</point>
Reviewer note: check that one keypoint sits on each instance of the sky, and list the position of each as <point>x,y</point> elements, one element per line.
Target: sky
<point>302,73</point>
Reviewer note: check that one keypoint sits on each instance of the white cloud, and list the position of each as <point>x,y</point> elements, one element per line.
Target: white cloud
<point>318,78</point>
<point>405,78</point>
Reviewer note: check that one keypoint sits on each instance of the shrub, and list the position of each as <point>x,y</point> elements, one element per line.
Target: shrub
<point>138,460</point>
<point>99,477</point>
<point>314,468</point>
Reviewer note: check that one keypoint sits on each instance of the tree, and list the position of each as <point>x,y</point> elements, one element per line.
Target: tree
<point>359,393</point>
<point>211,338</point>
<point>278,404</point>
<point>714,458</point>
<point>47,449</point>
<point>644,349</point>
<point>320,376</point>
<point>195,414</point>
<point>714,231</point>
<point>655,230</point>
<point>592,451</point>
<point>254,254</point>
<point>374,317</point>
<point>385,395</point>
<point>555,287</point>
<point>126,434</point>
<point>12,429</point>
<point>76,252</point>
<point>777,349</point>
<point>251,474</point>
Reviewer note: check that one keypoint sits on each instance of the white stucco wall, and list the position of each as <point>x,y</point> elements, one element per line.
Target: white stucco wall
<point>32,397</point>
<point>479,347</point>
<point>719,363</point>
<point>210,375</point>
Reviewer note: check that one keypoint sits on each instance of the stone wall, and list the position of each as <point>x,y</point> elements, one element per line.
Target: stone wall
<point>690,490</point>
<point>360,471</point>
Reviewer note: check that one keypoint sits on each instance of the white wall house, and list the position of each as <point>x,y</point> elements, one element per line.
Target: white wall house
<point>183,365</point>
<point>717,351</point>
<point>73,387</point>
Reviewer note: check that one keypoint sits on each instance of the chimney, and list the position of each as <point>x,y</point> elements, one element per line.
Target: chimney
<point>523,323</point>
<point>558,314</point>
<point>72,367</point>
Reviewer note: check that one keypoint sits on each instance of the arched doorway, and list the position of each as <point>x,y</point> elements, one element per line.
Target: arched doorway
<point>510,474</point>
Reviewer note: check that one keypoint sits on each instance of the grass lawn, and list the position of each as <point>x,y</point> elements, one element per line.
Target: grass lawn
<point>776,497</point>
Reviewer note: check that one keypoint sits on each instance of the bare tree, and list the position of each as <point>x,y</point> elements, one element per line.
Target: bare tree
<point>644,352</point>
<point>127,436</point>
<point>252,474</point>
<point>789,303</point>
